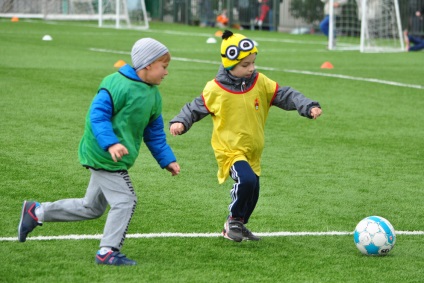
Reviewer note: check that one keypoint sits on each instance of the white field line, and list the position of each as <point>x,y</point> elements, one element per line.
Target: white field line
<point>370,80</point>
<point>195,235</point>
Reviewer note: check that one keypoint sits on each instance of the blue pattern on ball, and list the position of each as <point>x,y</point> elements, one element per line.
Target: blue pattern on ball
<point>372,249</point>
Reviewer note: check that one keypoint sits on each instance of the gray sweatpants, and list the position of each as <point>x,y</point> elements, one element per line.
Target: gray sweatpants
<point>113,188</point>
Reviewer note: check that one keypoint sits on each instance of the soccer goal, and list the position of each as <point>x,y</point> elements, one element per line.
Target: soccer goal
<point>367,26</point>
<point>113,13</point>
<point>123,14</point>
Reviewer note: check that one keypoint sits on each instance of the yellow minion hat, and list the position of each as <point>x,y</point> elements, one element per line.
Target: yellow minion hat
<point>234,48</point>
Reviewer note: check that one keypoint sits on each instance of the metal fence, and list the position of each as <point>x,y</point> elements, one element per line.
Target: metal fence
<point>274,15</point>
<point>247,14</point>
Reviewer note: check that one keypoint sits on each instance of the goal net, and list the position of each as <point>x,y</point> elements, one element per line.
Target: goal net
<point>123,14</point>
<point>116,13</point>
<point>366,25</point>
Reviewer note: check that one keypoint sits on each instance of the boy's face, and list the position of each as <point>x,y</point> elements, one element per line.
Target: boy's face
<point>245,68</point>
<point>156,72</point>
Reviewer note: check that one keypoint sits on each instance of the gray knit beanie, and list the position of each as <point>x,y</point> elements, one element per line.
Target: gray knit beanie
<point>146,51</point>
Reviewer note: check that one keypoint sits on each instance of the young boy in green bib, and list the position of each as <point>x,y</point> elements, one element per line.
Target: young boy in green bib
<point>125,111</point>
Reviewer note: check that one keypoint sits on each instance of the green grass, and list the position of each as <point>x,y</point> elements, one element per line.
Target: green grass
<point>363,157</point>
<point>284,259</point>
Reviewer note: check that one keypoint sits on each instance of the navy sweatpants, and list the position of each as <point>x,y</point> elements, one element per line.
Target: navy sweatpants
<point>245,191</point>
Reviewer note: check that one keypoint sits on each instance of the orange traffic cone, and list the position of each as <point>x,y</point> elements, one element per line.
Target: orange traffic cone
<point>14,19</point>
<point>119,63</point>
<point>218,33</point>
<point>327,65</point>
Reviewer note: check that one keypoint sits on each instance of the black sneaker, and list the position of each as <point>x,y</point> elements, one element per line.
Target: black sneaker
<point>233,228</point>
<point>247,235</point>
<point>28,220</point>
<point>114,258</point>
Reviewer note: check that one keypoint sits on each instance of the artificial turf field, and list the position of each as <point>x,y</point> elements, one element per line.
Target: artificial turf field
<point>364,156</point>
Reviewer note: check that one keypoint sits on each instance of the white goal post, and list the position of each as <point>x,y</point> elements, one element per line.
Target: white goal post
<point>367,26</point>
<point>115,13</point>
<point>123,13</point>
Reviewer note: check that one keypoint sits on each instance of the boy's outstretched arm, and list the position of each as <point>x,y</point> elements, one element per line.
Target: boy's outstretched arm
<point>288,98</point>
<point>315,112</point>
<point>101,112</point>
<point>176,129</point>
<point>174,168</point>
<point>155,139</point>
<point>191,112</point>
<point>117,151</point>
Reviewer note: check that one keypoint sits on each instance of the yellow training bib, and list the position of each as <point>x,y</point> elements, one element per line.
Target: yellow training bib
<point>239,122</point>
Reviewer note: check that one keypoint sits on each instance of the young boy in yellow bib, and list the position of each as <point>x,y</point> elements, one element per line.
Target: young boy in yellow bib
<point>239,99</point>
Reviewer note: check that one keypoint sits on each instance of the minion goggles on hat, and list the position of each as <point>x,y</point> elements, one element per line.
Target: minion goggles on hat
<point>235,47</point>
<point>232,52</point>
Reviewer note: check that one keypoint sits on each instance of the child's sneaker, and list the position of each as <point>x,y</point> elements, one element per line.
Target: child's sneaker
<point>247,235</point>
<point>233,228</point>
<point>28,220</point>
<point>113,258</point>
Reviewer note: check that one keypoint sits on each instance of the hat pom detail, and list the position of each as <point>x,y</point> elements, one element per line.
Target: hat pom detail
<point>227,34</point>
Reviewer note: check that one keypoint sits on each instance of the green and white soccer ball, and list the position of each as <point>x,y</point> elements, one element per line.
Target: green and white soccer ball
<point>374,235</point>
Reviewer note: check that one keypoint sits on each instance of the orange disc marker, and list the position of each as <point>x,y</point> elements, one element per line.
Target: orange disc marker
<point>119,63</point>
<point>327,65</point>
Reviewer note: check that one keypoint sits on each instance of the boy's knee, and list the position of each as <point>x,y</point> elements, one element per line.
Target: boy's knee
<point>244,174</point>
<point>127,203</point>
<point>249,179</point>
<point>248,182</point>
<point>97,212</point>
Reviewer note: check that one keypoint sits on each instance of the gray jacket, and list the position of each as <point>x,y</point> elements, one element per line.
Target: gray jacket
<point>286,98</point>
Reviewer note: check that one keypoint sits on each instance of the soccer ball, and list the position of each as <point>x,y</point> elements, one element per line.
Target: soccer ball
<point>374,235</point>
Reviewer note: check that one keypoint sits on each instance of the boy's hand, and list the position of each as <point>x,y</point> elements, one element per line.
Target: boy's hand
<point>315,112</point>
<point>174,168</point>
<point>117,151</point>
<point>176,129</point>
